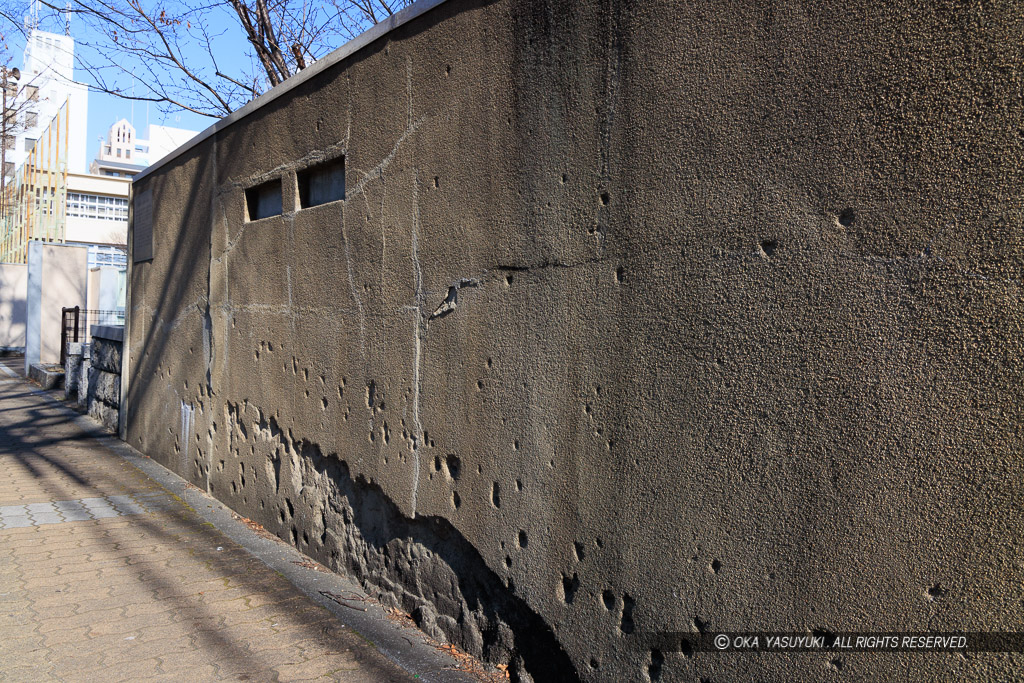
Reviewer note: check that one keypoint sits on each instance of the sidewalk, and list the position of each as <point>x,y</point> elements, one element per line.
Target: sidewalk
<point>107,575</point>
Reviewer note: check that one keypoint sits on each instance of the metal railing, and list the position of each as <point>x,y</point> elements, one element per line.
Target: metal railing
<point>76,322</point>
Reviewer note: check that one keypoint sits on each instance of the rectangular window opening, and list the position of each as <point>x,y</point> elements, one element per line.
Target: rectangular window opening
<point>263,200</point>
<point>322,184</point>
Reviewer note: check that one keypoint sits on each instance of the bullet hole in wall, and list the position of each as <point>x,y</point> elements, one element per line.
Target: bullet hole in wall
<point>570,584</point>
<point>768,247</point>
<point>496,495</point>
<point>654,669</point>
<point>371,393</point>
<point>454,465</point>
<point>626,624</point>
<point>847,217</point>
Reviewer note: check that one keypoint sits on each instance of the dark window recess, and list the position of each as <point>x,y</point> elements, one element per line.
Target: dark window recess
<point>321,184</point>
<point>264,200</point>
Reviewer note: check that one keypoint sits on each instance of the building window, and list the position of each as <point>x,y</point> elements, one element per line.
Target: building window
<point>32,93</point>
<point>100,255</point>
<point>322,184</point>
<point>9,142</point>
<point>118,152</point>
<point>29,144</point>
<point>31,119</point>
<point>263,200</point>
<point>127,154</point>
<point>8,168</point>
<point>97,207</point>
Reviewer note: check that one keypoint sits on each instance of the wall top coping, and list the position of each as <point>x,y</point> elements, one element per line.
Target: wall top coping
<point>111,332</point>
<point>362,40</point>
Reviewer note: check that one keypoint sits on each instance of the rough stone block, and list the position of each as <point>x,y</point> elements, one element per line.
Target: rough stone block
<point>83,383</point>
<point>106,355</point>
<point>106,415</point>
<point>105,387</point>
<point>72,365</point>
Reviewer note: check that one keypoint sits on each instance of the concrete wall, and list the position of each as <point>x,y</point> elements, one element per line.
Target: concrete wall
<point>634,319</point>
<point>56,279</point>
<point>13,290</point>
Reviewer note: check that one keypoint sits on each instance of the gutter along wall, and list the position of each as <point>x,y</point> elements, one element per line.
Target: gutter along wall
<point>632,320</point>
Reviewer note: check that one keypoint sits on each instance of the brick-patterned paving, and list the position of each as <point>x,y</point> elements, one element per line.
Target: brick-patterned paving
<point>106,576</point>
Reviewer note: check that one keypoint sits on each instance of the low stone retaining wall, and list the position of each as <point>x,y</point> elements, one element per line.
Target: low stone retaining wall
<point>96,369</point>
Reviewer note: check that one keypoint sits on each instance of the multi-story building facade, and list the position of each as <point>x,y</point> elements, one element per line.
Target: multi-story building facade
<point>122,154</point>
<point>47,85</point>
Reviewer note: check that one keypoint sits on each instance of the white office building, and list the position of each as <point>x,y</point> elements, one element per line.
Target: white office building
<point>122,154</point>
<point>47,82</point>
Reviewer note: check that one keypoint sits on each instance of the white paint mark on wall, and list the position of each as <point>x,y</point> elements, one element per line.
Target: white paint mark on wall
<point>417,341</point>
<point>188,419</point>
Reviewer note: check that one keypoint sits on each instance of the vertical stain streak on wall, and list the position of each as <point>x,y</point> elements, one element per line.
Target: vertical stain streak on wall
<point>185,432</point>
<point>354,290</point>
<point>613,68</point>
<point>418,325</point>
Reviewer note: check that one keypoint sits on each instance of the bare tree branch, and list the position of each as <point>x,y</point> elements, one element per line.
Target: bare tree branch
<point>171,52</point>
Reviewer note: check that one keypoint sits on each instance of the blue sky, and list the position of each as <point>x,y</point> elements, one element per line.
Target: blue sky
<point>211,28</point>
<point>105,110</point>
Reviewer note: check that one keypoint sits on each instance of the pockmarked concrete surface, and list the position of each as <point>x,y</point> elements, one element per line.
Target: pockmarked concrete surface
<point>635,318</point>
<point>105,575</point>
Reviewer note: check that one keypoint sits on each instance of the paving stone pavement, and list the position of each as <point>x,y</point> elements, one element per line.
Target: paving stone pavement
<point>106,576</point>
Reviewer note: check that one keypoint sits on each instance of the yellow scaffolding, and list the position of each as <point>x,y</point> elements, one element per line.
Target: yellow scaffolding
<point>35,199</point>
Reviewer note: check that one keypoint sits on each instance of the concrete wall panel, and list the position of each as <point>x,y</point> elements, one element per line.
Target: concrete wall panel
<point>635,319</point>
<point>13,293</point>
<point>57,279</point>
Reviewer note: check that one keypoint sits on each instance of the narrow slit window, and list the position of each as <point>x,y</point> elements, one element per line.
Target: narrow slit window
<point>322,184</point>
<point>264,200</point>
